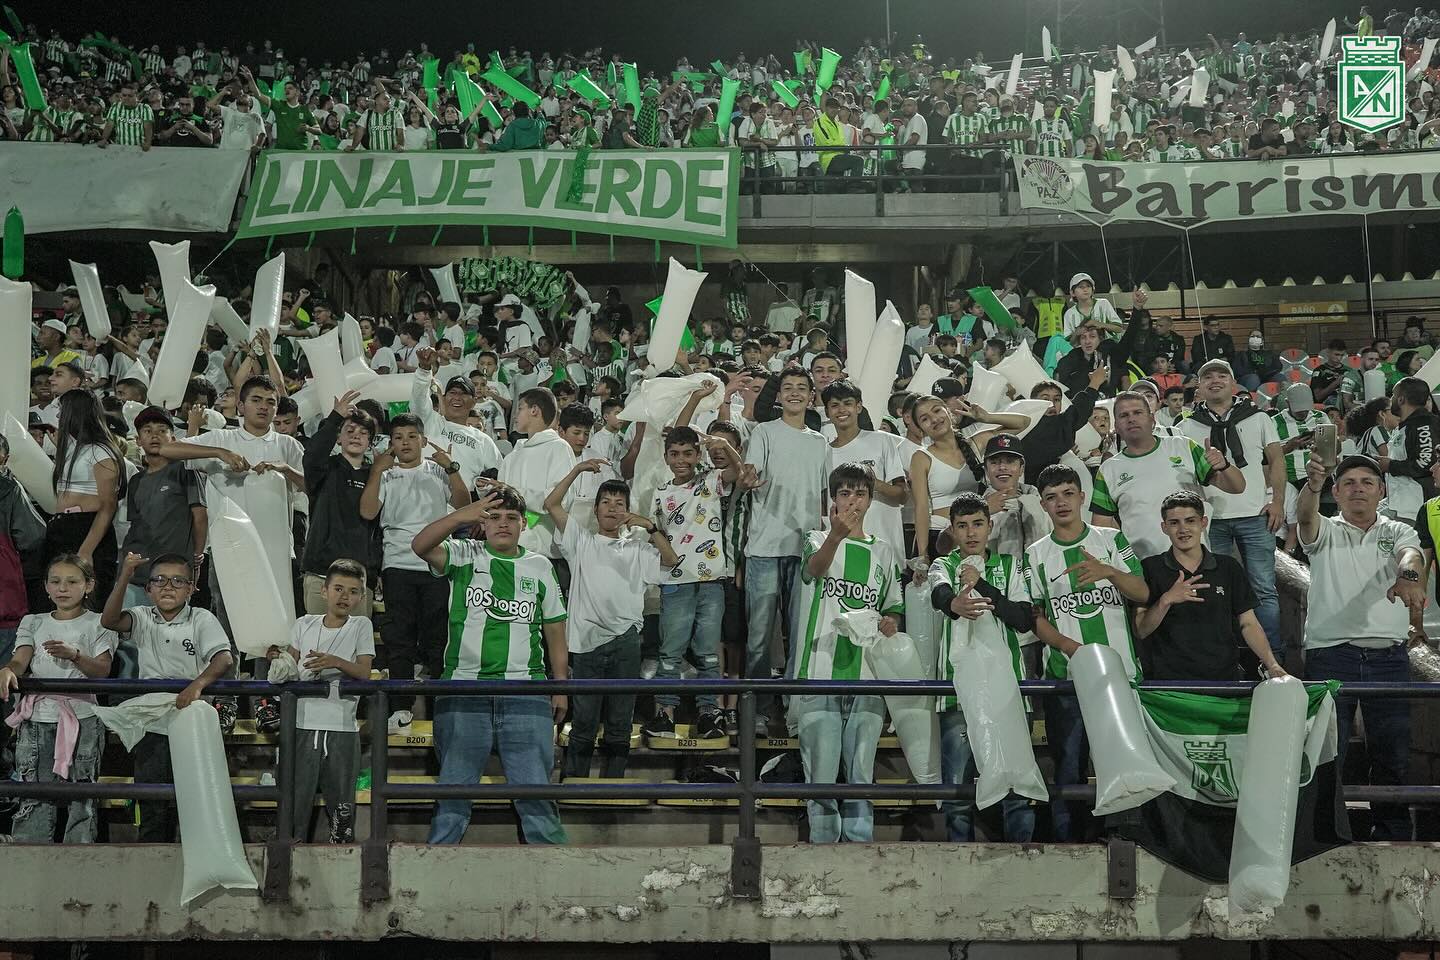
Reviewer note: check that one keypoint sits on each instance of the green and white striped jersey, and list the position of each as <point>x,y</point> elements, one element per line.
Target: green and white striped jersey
<point>1132,486</point>
<point>1004,573</point>
<point>1011,123</point>
<point>1288,427</point>
<point>1088,612</point>
<point>66,120</point>
<point>1053,138</point>
<point>962,129</point>
<point>864,574</point>
<point>497,606</point>
<point>130,123</point>
<point>383,128</point>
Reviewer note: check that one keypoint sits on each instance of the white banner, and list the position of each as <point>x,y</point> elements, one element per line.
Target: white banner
<point>1230,189</point>
<point>67,186</point>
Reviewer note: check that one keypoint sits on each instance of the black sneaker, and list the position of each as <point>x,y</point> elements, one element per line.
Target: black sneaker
<point>267,716</point>
<point>660,725</point>
<point>732,721</point>
<point>226,710</point>
<point>711,727</point>
<point>342,828</point>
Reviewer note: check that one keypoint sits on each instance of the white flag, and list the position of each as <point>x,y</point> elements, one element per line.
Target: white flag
<point>1104,84</point>
<point>1012,81</point>
<point>1127,63</point>
<point>1147,46</point>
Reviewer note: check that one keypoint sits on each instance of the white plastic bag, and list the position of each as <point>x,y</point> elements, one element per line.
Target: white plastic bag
<point>209,829</point>
<point>189,315</point>
<point>352,340</point>
<point>247,579</point>
<point>326,367</point>
<point>681,286</point>
<point>445,283</point>
<point>1126,771</point>
<point>173,259</point>
<point>92,299</point>
<point>1269,794</point>
<point>30,464</point>
<point>995,717</point>
<point>266,295</point>
<point>917,725</point>
<point>859,321</point>
<point>16,307</point>
<point>882,360</point>
<point>223,315</point>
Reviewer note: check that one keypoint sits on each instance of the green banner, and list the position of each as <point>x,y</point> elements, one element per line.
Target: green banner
<point>684,196</point>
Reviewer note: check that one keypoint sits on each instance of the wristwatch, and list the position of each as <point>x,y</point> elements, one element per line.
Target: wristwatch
<point>1412,575</point>
<point>452,468</point>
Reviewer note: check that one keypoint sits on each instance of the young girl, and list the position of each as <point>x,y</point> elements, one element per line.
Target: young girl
<point>89,479</point>
<point>60,737</point>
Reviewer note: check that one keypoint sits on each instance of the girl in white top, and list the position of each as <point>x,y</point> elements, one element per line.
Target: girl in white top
<point>950,465</point>
<point>88,479</point>
<point>416,135</point>
<point>60,738</point>
<point>1337,139</point>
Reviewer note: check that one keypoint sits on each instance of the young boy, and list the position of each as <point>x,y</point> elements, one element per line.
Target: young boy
<point>692,599</point>
<point>841,571</point>
<point>506,621</point>
<point>407,492</point>
<point>1174,410</point>
<point>175,642</point>
<point>537,463</point>
<point>987,589</point>
<point>327,647</point>
<point>877,452</point>
<point>1079,579</point>
<point>607,611</point>
<point>162,502</point>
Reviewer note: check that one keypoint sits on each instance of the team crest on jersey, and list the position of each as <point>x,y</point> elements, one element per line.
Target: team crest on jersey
<point>1176,462</point>
<point>1387,545</point>
<point>1124,479</point>
<point>527,585</point>
<point>715,524</point>
<point>1213,772</point>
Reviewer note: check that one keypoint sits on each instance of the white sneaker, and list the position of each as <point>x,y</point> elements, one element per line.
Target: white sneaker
<point>399,723</point>
<point>648,669</point>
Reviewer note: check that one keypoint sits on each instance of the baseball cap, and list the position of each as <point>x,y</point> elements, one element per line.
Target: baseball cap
<point>57,325</point>
<point>1216,364</point>
<point>37,424</point>
<point>1358,460</point>
<point>1003,444</point>
<point>509,300</point>
<point>947,387</point>
<point>1080,278</point>
<point>150,415</point>
<point>1299,398</point>
<point>460,383</point>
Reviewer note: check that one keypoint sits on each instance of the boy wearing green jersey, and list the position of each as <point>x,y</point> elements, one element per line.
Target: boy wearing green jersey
<point>842,570</point>
<point>507,619</point>
<point>1079,579</point>
<point>974,584</point>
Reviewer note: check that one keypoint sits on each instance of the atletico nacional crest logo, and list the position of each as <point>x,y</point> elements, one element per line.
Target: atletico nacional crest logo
<point>1213,771</point>
<point>1372,83</point>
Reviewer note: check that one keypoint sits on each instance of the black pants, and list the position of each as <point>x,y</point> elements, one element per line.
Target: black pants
<point>416,608</point>
<point>158,820</point>
<point>616,659</point>
<point>64,534</point>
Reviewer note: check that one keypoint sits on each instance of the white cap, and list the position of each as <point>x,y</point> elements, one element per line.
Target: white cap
<point>509,300</point>
<point>57,325</point>
<point>1080,278</point>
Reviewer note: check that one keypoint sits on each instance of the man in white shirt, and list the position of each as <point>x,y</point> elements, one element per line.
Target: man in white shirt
<point>1367,584</point>
<point>537,464</point>
<point>1247,520</point>
<point>471,448</point>
<point>916,132</point>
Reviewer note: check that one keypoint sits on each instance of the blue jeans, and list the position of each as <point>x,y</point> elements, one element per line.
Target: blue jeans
<point>836,731</point>
<point>1065,729</point>
<point>769,587</point>
<point>957,765</point>
<point>1387,721</point>
<point>690,615</point>
<point>467,729</point>
<point>1256,545</point>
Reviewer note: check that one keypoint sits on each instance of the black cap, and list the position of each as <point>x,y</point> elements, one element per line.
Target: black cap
<point>947,387</point>
<point>37,424</point>
<point>460,383</point>
<point>152,415</point>
<point>1003,443</point>
<point>1361,461</point>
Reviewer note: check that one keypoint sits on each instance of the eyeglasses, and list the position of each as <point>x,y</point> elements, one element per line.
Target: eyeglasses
<point>173,581</point>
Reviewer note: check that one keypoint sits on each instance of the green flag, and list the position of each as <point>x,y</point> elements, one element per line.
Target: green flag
<point>802,57</point>
<point>687,339</point>
<point>610,74</point>
<point>632,85</point>
<point>277,91</point>
<point>12,260</point>
<point>883,90</point>
<point>508,85</point>
<point>785,94</point>
<point>24,60</point>
<point>468,94</point>
<point>587,89</point>
<point>431,77</point>
<point>829,60</point>
<point>994,309</point>
<point>718,67</point>
<point>14,22</point>
<point>729,89</point>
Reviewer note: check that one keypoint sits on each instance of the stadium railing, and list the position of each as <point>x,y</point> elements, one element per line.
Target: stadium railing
<point>747,790</point>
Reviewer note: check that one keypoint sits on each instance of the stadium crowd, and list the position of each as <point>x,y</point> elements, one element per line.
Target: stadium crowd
<point>1264,98</point>
<point>498,521</point>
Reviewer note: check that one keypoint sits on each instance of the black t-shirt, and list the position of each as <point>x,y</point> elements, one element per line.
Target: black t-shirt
<point>183,136</point>
<point>450,136</point>
<point>1196,641</point>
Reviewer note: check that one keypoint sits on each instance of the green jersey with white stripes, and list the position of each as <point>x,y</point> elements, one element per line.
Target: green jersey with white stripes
<point>864,574</point>
<point>1288,427</point>
<point>1004,573</point>
<point>497,607</point>
<point>1083,612</point>
<point>63,120</point>
<point>1052,137</point>
<point>966,129</point>
<point>130,123</point>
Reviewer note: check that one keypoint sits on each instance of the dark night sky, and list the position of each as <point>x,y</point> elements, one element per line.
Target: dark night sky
<point>656,32</point>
